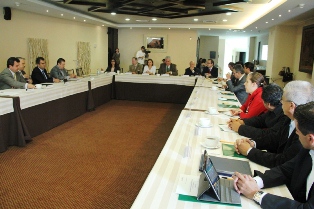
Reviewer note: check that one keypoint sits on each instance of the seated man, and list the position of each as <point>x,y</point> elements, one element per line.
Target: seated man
<point>248,67</point>
<point>168,67</point>
<point>297,174</point>
<point>285,145</point>
<point>210,69</point>
<point>11,78</point>
<point>59,71</point>
<point>192,70</point>
<point>238,87</point>
<point>269,122</point>
<point>39,74</point>
<point>135,68</point>
<point>21,69</point>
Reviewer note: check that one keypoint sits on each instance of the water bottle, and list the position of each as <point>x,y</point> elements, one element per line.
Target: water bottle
<point>98,72</point>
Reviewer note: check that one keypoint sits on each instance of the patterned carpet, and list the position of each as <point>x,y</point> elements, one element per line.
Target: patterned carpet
<point>98,160</point>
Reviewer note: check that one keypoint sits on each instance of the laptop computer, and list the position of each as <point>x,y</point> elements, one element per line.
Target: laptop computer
<point>214,188</point>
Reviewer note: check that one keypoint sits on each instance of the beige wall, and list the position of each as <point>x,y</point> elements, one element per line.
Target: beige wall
<point>62,37</point>
<point>181,49</point>
<point>207,44</point>
<point>284,50</point>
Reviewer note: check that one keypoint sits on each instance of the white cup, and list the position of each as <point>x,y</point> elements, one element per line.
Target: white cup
<point>204,122</point>
<point>211,141</point>
<point>214,87</point>
<point>118,72</point>
<point>212,110</point>
<point>157,74</point>
<point>38,86</point>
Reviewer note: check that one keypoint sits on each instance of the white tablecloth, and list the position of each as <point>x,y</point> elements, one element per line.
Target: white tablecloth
<point>6,105</point>
<point>177,80</point>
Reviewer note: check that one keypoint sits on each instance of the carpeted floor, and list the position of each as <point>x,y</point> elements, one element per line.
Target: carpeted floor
<point>98,160</point>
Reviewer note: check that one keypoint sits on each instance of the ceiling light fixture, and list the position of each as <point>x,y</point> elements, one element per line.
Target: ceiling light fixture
<point>224,20</point>
<point>169,28</point>
<point>47,10</point>
<point>279,15</point>
<point>154,19</point>
<point>131,28</point>
<point>102,25</point>
<point>256,27</point>
<point>195,19</point>
<point>272,19</point>
<point>84,20</point>
<point>289,10</point>
<point>113,13</point>
<point>189,28</point>
<point>301,6</point>
<point>228,13</point>
<point>208,28</point>
<point>266,22</point>
<point>149,28</point>
<point>127,19</point>
<point>74,18</point>
<point>61,14</point>
<point>17,4</point>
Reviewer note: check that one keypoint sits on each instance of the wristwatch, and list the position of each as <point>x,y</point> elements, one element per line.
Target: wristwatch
<point>258,196</point>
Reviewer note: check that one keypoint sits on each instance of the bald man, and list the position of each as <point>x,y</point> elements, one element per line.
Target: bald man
<point>192,70</point>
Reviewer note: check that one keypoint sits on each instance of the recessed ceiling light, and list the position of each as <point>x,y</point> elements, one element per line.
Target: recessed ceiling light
<point>149,28</point>
<point>289,10</point>
<point>279,15</point>
<point>47,10</point>
<point>229,29</point>
<point>272,19</point>
<point>251,30</point>
<point>195,19</point>
<point>74,18</point>
<point>228,13</point>
<point>84,20</point>
<point>127,19</point>
<point>154,19</point>
<point>113,13</point>
<point>169,28</point>
<point>256,27</point>
<point>61,14</point>
<point>131,28</point>
<point>189,28</point>
<point>244,31</point>
<point>224,20</point>
<point>208,28</point>
<point>102,25</point>
<point>17,4</point>
<point>266,22</point>
<point>301,6</point>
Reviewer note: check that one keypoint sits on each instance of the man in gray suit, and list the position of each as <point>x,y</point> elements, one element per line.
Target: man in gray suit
<point>135,68</point>
<point>59,71</point>
<point>168,67</point>
<point>12,78</point>
<point>238,86</point>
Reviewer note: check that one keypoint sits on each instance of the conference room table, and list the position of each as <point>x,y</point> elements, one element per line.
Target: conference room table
<point>6,109</point>
<point>152,88</point>
<point>182,152</point>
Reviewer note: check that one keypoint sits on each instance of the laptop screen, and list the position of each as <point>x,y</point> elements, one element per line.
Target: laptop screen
<point>213,176</point>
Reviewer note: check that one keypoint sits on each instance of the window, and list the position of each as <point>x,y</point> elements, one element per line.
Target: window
<point>264,52</point>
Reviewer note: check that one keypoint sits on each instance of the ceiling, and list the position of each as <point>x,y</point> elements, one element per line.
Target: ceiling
<point>208,17</point>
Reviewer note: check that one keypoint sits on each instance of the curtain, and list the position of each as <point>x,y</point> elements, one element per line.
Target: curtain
<point>83,56</point>
<point>37,48</point>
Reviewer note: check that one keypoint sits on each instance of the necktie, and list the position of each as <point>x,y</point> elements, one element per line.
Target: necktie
<point>44,74</point>
<point>167,68</point>
<point>14,76</point>
<point>310,178</point>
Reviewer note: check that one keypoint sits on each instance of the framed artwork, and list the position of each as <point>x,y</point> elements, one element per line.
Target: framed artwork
<point>212,55</point>
<point>307,50</point>
<point>156,43</point>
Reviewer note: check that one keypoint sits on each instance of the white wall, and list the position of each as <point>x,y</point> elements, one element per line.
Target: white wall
<point>62,36</point>
<point>181,46</point>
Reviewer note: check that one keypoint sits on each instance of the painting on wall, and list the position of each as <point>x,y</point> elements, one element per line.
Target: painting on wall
<point>155,43</point>
<point>212,55</point>
<point>307,50</point>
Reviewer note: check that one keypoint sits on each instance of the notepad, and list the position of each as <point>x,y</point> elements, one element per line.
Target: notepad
<point>228,150</point>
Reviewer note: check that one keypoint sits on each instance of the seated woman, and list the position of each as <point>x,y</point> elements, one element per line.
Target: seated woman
<point>254,104</point>
<point>192,70</point>
<point>149,68</point>
<point>113,67</point>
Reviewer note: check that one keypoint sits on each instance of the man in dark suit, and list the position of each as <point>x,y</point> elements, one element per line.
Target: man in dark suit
<point>192,70</point>
<point>238,87</point>
<point>210,69</point>
<point>168,67</point>
<point>39,74</point>
<point>285,145</point>
<point>12,78</point>
<point>135,68</point>
<point>267,123</point>
<point>297,174</point>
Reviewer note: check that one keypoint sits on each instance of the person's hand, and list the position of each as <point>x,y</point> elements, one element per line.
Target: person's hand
<point>133,72</point>
<point>228,76</point>
<point>72,76</point>
<point>26,76</point>
<point>56,80</point>
<point>30,86</point>
<point>245,184</point>
<point>243,146</point>
<point>234,125</point>
<point>30,81</point>
<point>236,112</point>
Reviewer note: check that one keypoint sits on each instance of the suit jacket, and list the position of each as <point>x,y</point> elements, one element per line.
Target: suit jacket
<point>115,69</point>
<point>294,174</point>
<point>188,71</point>
<point>38,77</point>
<point>280,148</point>
<point>262,125</point>
<point>163,70</point>
<point>7,80</point>
<point>55,72</point>
<point>138,68</point>
<point>213,72</point>
<point>238,89</point>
